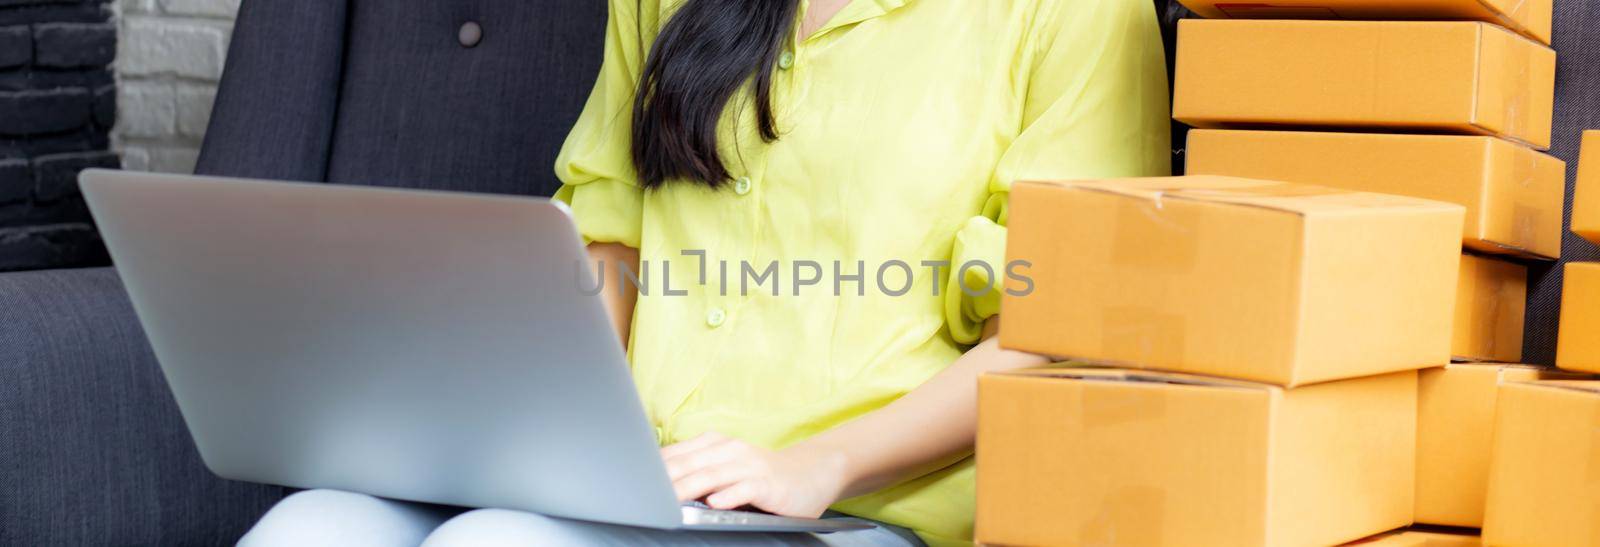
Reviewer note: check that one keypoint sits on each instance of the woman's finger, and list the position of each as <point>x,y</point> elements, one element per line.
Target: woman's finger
<point>718,454</point>
<point>742,493</point>
<point>700,484</point>
<point>697,443</point>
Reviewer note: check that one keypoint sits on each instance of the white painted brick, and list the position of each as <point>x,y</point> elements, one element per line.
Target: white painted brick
<point>194,109</point>
<point>170,56</point>
<point>135,158</point>
<point>146,110</point>
<point>204,8</point>
<point>173,159</point>
<point>190,49</point>
<point>131,7</point>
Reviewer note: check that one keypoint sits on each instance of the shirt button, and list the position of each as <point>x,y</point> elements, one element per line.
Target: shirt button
<point>470,34</point>
<point>742,186</point>
<point>661,436</point>
<point>715,317</point>
<point>786,60</point>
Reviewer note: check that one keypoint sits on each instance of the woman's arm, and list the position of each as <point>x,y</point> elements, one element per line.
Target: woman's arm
<point>929,428</point>
<point>619,297</point>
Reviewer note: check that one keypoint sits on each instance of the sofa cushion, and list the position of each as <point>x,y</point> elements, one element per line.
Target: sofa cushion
<point>418,108</point>
<point>92,448</point>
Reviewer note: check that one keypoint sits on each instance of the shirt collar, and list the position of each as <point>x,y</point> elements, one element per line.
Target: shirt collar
<point>857,11</point>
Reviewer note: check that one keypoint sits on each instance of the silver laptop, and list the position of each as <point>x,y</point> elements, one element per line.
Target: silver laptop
<point>416,345</point>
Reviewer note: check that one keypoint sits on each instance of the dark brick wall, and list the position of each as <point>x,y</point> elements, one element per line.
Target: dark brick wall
<point>57,105</point>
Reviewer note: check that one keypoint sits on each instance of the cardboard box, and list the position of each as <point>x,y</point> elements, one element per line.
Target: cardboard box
<point>1459,77</point>
<point>1531,18</point>
<point>1578,338</point>
<point>1491,301</point>
<point>1513,194</point>
<point>1274,282</point>
<point>1586,191</point>
<point>1544,477</point>
<point>1130,458</point>
<point>1421,538</point>
<point>1455,430</point>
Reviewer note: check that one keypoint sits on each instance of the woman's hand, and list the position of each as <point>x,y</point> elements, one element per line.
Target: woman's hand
<point>927,429</point>
<point>729,473</point>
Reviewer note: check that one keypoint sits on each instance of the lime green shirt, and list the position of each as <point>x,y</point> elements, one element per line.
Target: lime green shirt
<point>902,125</point>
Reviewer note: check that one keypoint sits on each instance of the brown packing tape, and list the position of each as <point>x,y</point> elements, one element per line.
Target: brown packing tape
<point>1509,17</point>
<point>1141,503</point>
<point>1515,10</point>
<point>1524,169</point>
<point>1253,195</point>
<point>1143,218</point>
<point>1525,219</point>
<point>1516,69</point>
<point>1493,319</point>
<point>1108,408</point>
<point>1272,190</point>
<point>1139,222</point>
<point>1144,335</point>
<point>1497,309</point>
<point>1506,292</point>
<point>1490,48</point>
<point>1523,94</point>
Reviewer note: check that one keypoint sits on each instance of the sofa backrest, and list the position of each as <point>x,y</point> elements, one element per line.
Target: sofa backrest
<point>468,95</point>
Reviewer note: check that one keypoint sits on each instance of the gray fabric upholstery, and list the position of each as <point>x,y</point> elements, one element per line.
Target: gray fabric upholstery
<point>273,116</point>
<point>382,93</point>
<point>1577,43</point>
<point>92,449</point>
<point>417,109</point>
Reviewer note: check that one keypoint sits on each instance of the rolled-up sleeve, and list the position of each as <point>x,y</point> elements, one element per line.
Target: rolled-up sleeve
<point>595,165</point>
<point>1095,106</point>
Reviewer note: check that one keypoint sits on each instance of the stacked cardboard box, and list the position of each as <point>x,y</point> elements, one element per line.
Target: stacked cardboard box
<point>1490,90</point>
<point>1530,18</point>
<point>1492,87</point>
<point>1261,330</point>
<point>1513,195</point>
<point>1578,347</point>
<point>1544,472</point>
<point>1422,538</point>
<point>1544,480</point>
<point>1450,103</point>
<point>1456,407</point>
<point>1586,195</point>
<point>1578,343</point>
<point>1266,337</point>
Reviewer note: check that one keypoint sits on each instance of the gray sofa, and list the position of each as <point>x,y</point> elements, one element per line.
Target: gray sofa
<point>92,449</point>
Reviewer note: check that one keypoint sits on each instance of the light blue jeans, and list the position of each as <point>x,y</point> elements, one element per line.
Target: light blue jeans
<point>315,518</point>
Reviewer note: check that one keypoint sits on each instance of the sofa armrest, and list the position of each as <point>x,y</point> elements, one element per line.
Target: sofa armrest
<point>93,450</point>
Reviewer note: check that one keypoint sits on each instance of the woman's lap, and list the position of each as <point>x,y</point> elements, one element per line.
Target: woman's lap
<point>329,517</point>
<point>332,517</point>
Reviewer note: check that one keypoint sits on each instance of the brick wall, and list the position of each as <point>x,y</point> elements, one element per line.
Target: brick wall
<point>57,104</point>
<point>168,64</point>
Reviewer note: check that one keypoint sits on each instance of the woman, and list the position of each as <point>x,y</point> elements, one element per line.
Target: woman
<point>773,151</point>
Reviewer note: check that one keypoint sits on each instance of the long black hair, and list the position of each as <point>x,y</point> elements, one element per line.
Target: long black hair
<point>705,53</point>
